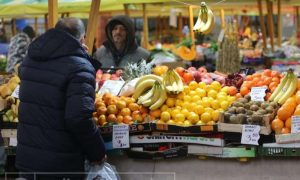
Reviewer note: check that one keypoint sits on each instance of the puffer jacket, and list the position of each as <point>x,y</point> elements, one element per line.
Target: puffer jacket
<point>56,132</point>
<point>109,56</point>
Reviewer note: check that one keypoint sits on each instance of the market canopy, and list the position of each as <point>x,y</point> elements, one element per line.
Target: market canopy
<point>21,8</point>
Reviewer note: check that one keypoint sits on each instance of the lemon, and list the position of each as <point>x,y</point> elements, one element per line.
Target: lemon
<point>209,110</point>
<point>212,93</point>
<point>193,85</point>
<point>165,116</point>
<point>205,117</point>
<point>187,98</point>
<point>186,89</point>
<point>185,105</point>
<point>205,103</point>
<point>224,105</point>
<point>179,117</point>
<point>200,92</point>
<point>211,123</point>
<point>201,85</point>
<point>196,98</point>
<point>187,123</point>
<point>200,123</point>
<point>171,122</point>
<point>215,104</point>
<point>186,112</point>
<point>221,97</point>
<point>215,115</point>
<point>170,102</point>
<point>164,107</point>
<point>216,85</point>
<point>199,102</point>
<point>179,123</point>
<point>225,89</point>
<point>191,106</point>
<point>160,122</point>
<point>180,96</point>
<point>174,113</point>
<point>199,109</point>
<point>222,93</point>
<point>193,117</point>
<point>193,93</point>
<point>178,102</point>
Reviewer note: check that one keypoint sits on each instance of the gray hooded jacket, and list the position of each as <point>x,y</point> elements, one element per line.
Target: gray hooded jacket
<point>109,56</point>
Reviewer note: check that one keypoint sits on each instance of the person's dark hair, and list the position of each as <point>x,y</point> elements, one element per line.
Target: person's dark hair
<point>73,26</point>
<point>29,31</point>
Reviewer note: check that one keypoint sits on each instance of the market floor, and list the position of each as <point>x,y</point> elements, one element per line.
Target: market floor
<point>209,169</point>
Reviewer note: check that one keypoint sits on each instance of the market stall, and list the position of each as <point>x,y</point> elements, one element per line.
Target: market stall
<point>157,121</point>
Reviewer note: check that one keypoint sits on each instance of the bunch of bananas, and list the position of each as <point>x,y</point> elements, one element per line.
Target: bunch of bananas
<point>285,89</point>
<point>149,91</point>
<point>205,21</point>
<point>173,82</point>
<point>11,115</point>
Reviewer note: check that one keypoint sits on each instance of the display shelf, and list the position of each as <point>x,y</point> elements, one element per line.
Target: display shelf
<point>278,151</point>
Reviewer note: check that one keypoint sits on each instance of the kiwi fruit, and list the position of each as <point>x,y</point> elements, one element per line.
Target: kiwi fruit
<point>248,97</point>
<point>270,109</point>
<point>247,106</point>
<point>264,105</point>
<point>257,119</point>
<point>226,117</point>
<point>243,100</point>
<point>234,119</point>
<point>240,110</point>
<point>232,110</point>
<point>238,104</point>
<point>249,112</point>
<point>258,103</point>
<point>254,107</point>
<point>262,112</point>
<point>274,105</point>
<point>242,118</point>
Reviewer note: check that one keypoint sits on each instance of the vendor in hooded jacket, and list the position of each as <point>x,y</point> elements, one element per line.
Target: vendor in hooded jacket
<point>120,48</point>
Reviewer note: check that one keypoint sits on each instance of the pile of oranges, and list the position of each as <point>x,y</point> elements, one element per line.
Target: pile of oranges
<point>267,78</point>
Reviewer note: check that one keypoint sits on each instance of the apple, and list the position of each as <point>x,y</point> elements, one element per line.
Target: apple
<point>197,76</point>
<point>191,69</point>
<point>101,110</point>
<point>202,69</point>
<point>105,76</point>
<point>180,71</point>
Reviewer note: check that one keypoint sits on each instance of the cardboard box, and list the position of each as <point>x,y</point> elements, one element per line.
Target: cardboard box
<point>204,150</point>
<point>197,129</point>
<point>287,138</point>
<point>133,129</point>
<point>141,139</point>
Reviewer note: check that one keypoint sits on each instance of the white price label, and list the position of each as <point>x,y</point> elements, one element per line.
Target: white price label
<point>15,94</point>
<point>120,136</point>
<point>13,141</point>
<point>295,128</point>
<point>111,86</point>
<point>258,93</point>
<point>250,134</point>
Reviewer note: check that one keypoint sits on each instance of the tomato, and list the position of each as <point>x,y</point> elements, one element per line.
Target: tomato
<point>180,71</point>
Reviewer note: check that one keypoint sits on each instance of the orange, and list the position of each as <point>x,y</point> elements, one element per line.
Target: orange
<point>285,130</point>
<point>276,79</point>
<point>244,91</point>
<point>297,112</point>
<point>288,123</point>
<point>284,113</point>
<point>275,74</point>
<point>298,97</point>
<point>232,91</point>
<point>155,113</point>
<point>267,72</point>
<point>249,78</point>
<point>277,125</point>
<point>267,80</point>
<point>273,85</point>
<point>133,106</point>
<point>238,95</point>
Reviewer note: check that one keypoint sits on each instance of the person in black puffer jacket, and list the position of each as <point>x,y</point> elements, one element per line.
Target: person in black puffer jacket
<point>56,132</point>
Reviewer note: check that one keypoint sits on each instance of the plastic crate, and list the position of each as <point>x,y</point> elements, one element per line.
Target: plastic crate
<point>278,151</point>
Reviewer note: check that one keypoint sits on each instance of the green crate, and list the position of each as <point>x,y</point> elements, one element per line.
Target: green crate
<point>278,151</point>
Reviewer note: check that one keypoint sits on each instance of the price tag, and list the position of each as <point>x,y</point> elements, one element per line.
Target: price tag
<point>111,86</point>
<point>120,136</point>
<point>295,128</point>
<point>15,94</point>
<point>258,93</point>
<point>13,141</point>
<point>250,134</point>
<point>221,35</point>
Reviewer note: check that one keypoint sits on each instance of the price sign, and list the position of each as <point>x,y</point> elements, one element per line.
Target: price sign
<point>250,134</point>
<point>111,86</point>
<point>258,93</point>
<point>15,94</point>
<point>13,141</point>
<point>295,128</point>
<point>120,136</point>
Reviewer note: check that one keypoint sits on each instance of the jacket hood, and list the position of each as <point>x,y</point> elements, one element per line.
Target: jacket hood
<point>131,44</point>
<point>54,44</point>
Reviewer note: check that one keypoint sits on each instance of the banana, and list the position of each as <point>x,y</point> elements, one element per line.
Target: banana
<point>284,89</point>
<point>146,96</point>
<point>161,100</point>
<point>155,97</point>
<point>209,25</point>
<point>178,81</point>
<point>205,21</point>
<point>149,76</point>
<point>142,87</point>
<point>290,91</point>
<point>279,87</point>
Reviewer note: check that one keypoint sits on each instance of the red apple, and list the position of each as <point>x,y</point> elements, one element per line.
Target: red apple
<point>180,71</point>
<point>191,69</point>
<point>197,76</point>
<point>202,69</point>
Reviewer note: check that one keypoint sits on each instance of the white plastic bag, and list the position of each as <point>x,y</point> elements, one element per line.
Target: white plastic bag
<point>104,171</point>
<point>128,88</point>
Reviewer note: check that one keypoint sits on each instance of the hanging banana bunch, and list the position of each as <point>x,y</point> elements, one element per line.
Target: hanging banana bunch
<point>206,20</point>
